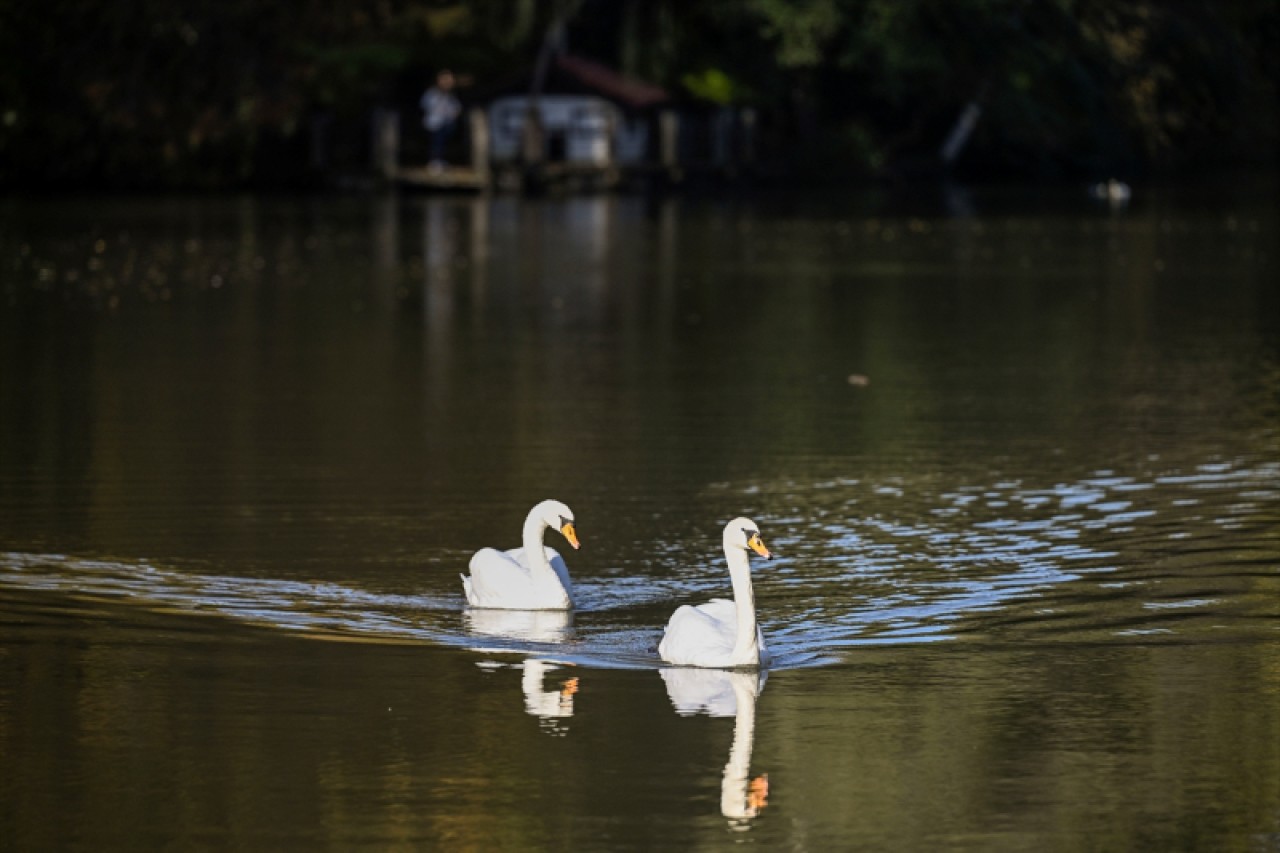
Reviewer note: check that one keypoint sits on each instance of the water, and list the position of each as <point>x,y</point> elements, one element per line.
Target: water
<point>1018,458</point>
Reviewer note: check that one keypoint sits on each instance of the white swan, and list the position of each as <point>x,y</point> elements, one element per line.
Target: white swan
<point>722,633</point>
<point>726,694</point>
<point>530,578</point>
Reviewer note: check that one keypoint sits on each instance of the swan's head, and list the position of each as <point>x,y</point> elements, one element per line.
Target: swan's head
<point>557,515</point>
<point>745,534</point>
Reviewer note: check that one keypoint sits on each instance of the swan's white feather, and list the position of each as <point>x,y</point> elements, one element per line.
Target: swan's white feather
<point>704,635</point>
<point>504,579</point>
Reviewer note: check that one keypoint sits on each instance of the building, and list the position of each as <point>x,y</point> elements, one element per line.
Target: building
<point>588,115</point>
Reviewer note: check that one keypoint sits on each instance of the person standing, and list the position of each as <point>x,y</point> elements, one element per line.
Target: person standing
<point>440,111</point>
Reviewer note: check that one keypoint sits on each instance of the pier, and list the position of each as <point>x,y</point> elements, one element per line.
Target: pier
<point>589,129</point>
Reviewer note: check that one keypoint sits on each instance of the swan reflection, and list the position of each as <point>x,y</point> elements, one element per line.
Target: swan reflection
<point>551,706</point>
<point>720,693</point>
<point>536,626</point>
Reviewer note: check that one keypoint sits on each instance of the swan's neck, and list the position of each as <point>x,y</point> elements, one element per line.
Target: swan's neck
<point>746,651</point>
<point>534,528</point>
<point>733,788</point>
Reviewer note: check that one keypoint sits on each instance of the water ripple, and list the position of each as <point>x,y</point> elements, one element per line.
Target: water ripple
<point>857,565</point>
<point>1000,561</point>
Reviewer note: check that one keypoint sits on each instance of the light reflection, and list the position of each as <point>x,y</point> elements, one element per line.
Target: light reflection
<point>722,693</point>
<point>535,626</point>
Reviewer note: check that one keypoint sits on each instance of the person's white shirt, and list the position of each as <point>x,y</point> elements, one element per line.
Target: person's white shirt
<point>439,108</point>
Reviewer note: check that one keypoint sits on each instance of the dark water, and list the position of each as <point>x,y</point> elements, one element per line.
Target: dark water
<point>1018,456</point>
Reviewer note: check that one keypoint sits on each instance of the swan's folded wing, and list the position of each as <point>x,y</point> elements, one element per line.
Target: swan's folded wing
<point>520,557</point>
<point>699,635</point>
<point>504,579</point>
<point>721,610</point>
<point>492,573</point>
<point>493,560</point>
<point>557,565</point>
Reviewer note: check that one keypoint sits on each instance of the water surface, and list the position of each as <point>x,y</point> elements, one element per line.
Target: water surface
<point>1018,457</point>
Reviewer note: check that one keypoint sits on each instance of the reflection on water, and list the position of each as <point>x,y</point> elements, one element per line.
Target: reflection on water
<point>1010,560</point>
<point>549,706</point>
<point>552,707</point>
<point>723,693</point>
<point>529,626</point>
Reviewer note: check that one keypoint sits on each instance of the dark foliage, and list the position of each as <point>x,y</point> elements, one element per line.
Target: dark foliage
<point>211,94</point>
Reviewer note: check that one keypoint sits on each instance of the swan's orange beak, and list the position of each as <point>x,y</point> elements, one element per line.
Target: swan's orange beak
<point>757,545</point>
<point>569,533</point>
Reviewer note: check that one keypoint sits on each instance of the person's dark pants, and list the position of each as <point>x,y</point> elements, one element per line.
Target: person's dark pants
<point>439,139</point>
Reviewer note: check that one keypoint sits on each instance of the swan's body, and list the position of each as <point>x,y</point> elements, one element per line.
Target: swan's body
<point>722,633</point>
<point>533,577</point>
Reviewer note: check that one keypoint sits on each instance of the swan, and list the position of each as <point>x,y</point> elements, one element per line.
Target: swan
<point>530,578</point>
<point>722,633</point>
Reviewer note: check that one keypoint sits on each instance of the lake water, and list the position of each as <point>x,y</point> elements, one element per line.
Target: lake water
<point>1017,454</point>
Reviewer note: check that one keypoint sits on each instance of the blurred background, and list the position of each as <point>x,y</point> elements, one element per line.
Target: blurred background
<point>153,94</point>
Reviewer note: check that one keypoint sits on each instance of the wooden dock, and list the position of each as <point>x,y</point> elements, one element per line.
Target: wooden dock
<point>536,172</point>
<point>448,178</point>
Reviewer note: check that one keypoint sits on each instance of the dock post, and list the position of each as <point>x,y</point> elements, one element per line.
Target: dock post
<point>533,150</point>
<point>668,143</point>
<point>612,170</point>
<point>386,143</point>
<point>722,140</point>
<point>479,127</point>
<point>611,131</point>
<point>747,120</point>
<point>320,125</point>
<point>532,139</point>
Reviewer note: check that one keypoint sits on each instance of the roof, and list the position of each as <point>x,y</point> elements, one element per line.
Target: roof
<point>608,83</point>
<point>573,75</point>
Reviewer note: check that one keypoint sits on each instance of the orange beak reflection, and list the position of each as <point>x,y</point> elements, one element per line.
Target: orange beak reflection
<point>758,793</point>
<point>572,535</point>
<point>757,545</point>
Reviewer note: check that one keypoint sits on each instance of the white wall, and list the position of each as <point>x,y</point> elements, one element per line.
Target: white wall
<point>582,121</point>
